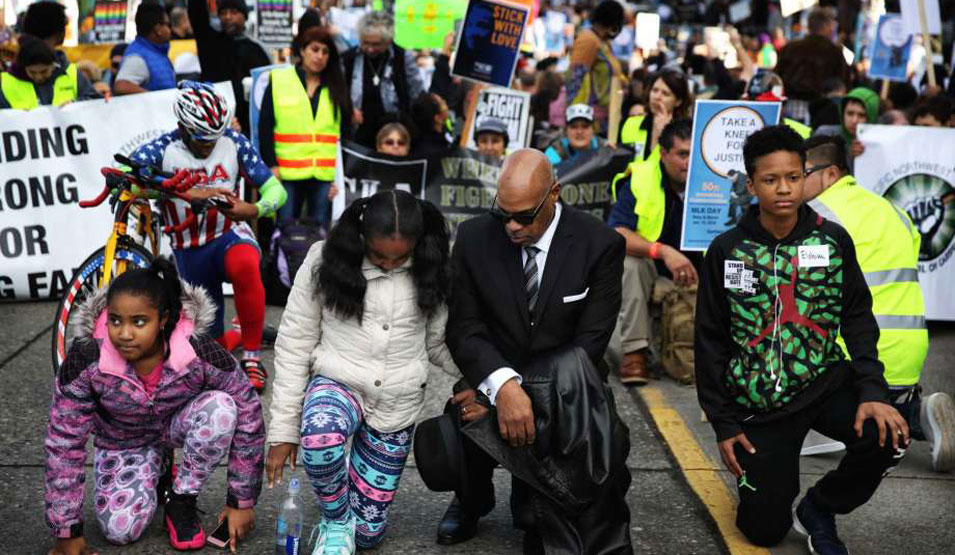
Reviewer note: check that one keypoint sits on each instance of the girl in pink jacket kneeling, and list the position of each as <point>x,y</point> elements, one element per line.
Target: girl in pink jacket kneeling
<point>142,377</point>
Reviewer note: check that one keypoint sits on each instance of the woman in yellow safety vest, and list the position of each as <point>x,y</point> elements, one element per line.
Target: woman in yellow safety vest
<point>669,99</point>
<point>305,110</point>
<point>36,78</point>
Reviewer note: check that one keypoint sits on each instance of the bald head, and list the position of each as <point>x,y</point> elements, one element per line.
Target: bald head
<point>525,175</point>
<point>527,184</point>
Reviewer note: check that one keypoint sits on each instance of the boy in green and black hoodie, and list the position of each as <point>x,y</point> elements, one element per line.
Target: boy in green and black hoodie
<point>775,292</point>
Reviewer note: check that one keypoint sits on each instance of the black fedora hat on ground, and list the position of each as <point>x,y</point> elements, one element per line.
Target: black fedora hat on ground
<point>438,452</point>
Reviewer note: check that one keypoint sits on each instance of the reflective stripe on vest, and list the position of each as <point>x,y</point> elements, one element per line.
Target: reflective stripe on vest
<point>21,94</point>
<point>887,246</point>
<point>305,146</point>
<point>646,184</point>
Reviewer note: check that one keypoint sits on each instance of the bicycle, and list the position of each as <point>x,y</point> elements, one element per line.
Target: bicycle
<point>122,249</point>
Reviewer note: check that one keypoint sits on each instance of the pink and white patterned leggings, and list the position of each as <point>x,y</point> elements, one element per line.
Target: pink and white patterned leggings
<point>125,490</point>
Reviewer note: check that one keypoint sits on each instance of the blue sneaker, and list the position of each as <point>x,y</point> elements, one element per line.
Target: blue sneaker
<point>819,528</point>
<point>336,537</point>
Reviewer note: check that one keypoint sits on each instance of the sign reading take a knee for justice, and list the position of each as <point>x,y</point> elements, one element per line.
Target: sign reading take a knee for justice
<point>716,194</point>
<point>914,168</point>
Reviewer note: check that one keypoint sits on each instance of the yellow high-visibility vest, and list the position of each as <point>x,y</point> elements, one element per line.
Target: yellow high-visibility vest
<point>305,146</point>
<point>887,246</point>
<point>21,94</point>
<point>646,184</point>
<point>802,129</point>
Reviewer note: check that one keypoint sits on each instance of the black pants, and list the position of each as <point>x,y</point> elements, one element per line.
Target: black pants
<point>602,529</point>
<point>771,480</point>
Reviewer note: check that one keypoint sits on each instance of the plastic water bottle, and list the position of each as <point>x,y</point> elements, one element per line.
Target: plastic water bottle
<point>288,532</point>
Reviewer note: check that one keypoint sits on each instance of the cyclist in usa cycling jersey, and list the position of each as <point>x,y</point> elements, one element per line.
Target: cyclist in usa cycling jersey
<point>218,246</point>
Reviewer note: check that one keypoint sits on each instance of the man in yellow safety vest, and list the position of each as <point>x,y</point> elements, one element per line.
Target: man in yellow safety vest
<point>649,215</point>
<point>887,247</point>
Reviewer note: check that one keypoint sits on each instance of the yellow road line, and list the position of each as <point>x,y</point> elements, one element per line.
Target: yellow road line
<point>700,471</point>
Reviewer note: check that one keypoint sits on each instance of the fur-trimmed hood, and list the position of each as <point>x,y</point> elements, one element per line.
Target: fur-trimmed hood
<point>197,307</point>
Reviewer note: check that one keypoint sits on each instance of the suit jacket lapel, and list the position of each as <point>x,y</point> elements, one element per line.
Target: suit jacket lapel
<point>559,248</point>
<point>510,256</point>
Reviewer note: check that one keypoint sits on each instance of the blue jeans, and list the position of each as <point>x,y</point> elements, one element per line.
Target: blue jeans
<point>312,192</point>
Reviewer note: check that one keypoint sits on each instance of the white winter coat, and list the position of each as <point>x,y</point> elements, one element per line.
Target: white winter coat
<point>383,361</point>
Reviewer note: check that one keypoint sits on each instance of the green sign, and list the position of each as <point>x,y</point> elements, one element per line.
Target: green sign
<point>425,23</point>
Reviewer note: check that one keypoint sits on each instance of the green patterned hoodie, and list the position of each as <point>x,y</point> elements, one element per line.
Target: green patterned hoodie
<point>767,318</point>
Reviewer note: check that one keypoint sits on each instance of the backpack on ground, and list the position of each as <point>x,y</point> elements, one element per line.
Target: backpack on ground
<point>287,250</point>
<point>679,315</point>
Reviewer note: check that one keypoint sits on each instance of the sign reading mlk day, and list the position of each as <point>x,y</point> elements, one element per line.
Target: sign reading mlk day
<point>489,42</point>
<point>716,194</point>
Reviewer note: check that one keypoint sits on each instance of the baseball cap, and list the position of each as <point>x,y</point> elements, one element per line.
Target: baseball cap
<point>578,111</point>
<point>491,125</point>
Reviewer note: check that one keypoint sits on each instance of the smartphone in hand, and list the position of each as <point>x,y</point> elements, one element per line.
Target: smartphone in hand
<point>220,537</point>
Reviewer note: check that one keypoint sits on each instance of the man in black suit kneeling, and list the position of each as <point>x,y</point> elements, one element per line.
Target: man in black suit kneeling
<point>531,277</point>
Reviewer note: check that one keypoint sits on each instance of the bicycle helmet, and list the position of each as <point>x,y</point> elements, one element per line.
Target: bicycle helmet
<point>765,85</point>
<point>202,110</point>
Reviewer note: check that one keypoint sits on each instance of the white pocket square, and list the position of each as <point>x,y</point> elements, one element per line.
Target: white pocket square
<point>577,297</point>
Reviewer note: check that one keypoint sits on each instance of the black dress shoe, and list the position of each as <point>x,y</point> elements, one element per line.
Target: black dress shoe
<point>459,524</point>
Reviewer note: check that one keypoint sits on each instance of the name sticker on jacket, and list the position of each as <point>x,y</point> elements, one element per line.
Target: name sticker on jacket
<point>813,256</point>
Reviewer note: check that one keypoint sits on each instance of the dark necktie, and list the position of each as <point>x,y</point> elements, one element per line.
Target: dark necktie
<point>530,277</point>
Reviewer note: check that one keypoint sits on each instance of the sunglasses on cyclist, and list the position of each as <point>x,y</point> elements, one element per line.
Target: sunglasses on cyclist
<point>814,169</point>
<point>522,218</point>
<point>394,142</point>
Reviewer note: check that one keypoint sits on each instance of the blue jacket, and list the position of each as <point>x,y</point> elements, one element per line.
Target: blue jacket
<point>161,74</point>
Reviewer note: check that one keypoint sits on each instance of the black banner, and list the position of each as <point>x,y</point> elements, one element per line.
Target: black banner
<point>462,182</point>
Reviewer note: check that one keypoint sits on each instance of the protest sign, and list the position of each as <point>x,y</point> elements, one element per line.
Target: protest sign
<point>363,172</point>
<point>739,11</point>
<point>789,7</point>
<point>260,82</point>
<point>910,16</point>
<point>109,21</point>
<point>424,24</point>
<point>510,106</point>
<point>716,195</point>
<point>489,42</point>
<point>891,50</point>
<point>648,31</point>
<point>50,159</point>
<point>912,167</point>
<point>275,22</point>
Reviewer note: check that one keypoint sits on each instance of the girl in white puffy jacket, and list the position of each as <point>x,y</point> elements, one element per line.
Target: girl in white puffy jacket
<point>364,318</point>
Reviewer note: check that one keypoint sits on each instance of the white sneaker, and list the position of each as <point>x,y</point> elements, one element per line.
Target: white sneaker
<point>818,444</point>
<point>937,417</point>
<point>336,537</point>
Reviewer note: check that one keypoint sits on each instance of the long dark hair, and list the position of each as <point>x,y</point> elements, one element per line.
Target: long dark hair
<point>331,76</point>
<point>160,284</point>
<point>339,278</point>
<point>677,82</point>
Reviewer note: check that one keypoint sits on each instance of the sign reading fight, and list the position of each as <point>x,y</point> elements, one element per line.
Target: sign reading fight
<point>716,195</point>
<point>912,167</point>
<point>510,106</point>
<point>489,42</point>
<point>50,159</point>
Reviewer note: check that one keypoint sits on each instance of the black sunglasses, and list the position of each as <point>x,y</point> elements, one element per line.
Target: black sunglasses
<point>522,218</point>
<point>814,169</point>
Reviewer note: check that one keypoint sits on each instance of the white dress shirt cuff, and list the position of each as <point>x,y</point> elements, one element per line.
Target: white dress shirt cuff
<point>496,380</point>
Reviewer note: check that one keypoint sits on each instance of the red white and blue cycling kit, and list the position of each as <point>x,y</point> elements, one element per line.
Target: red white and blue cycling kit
<point>216,249</point>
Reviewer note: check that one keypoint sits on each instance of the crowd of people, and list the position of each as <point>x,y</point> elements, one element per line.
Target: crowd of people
<point>530,290</point>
